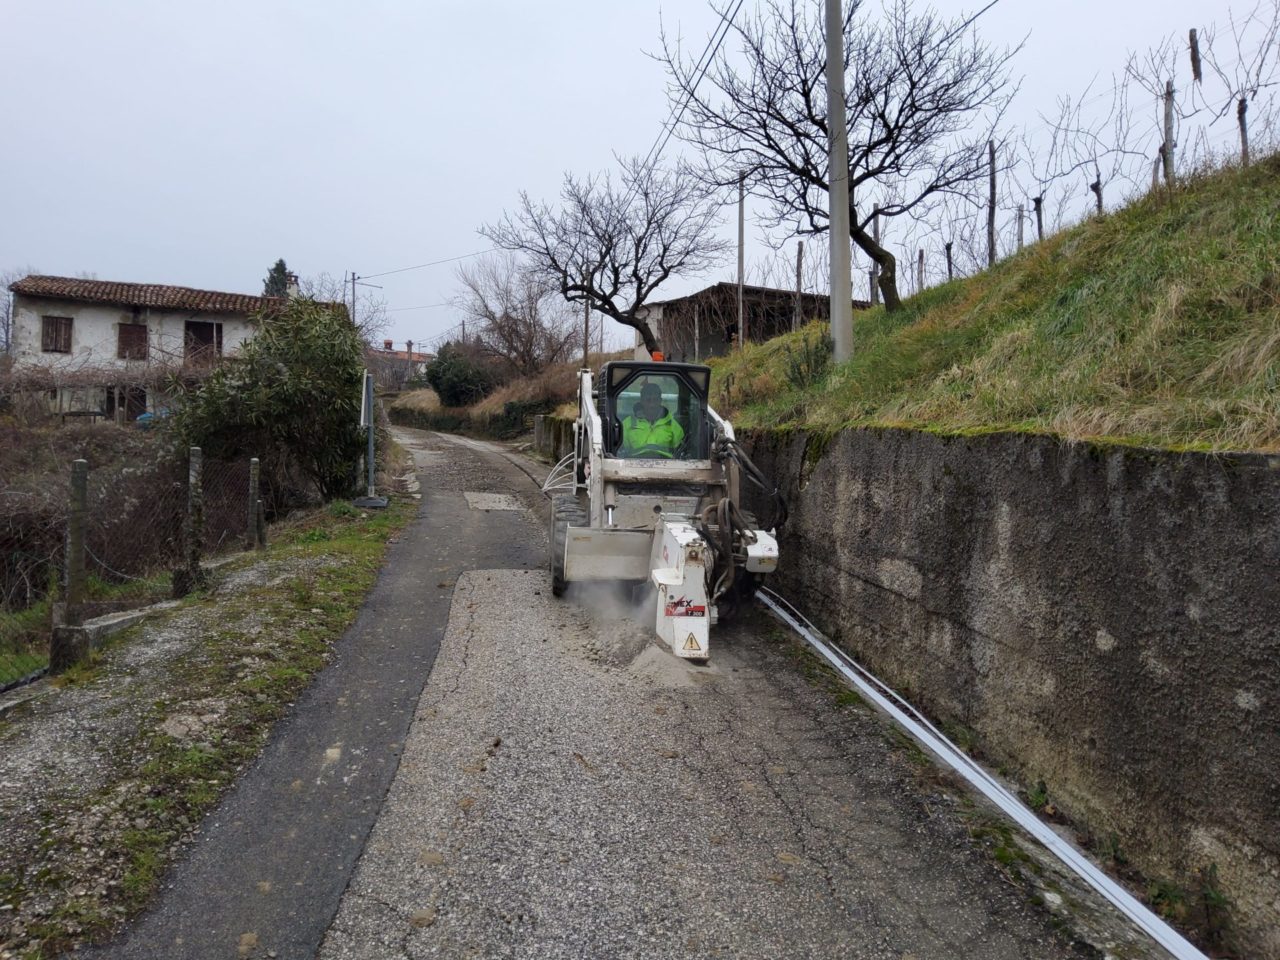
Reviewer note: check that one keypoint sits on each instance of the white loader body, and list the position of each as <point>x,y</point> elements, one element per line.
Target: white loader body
<point>672,521</point>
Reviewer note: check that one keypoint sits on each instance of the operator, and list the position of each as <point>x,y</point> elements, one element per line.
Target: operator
<point>650,430</point>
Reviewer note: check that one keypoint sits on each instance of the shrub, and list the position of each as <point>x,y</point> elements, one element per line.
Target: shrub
<point>457,379</point>
<point>291,398</point>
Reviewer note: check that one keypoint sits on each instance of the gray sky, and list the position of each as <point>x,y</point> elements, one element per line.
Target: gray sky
<point>194,143</point>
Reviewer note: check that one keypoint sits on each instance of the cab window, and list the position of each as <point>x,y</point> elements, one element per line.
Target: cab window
<point>660,418</point>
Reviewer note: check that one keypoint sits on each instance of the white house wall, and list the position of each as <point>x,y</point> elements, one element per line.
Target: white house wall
<point>94,334</point>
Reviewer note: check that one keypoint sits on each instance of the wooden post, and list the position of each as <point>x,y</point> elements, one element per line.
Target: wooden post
<point>875,267</point>
<point>251,537</point>
<point>797,317</point>
<point>991,203</point>
<point>1155,168</point>
<point>920,271</point>
<point>1021,218</point>
<point>586,326</point>
<point>1038,202</point>
<point>1168,133</point>
<point>75,542</point>
<point>742,312</point>
<point>950,274</point>
<point>1242,109</point>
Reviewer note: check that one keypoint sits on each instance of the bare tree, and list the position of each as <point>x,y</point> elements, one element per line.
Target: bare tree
<point>924,94</point>
<point>370,308</point>
<point>612,244</point>
<point>517,317</point>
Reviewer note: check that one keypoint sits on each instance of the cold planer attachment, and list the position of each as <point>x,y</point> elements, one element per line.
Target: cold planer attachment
<point>650,495</point>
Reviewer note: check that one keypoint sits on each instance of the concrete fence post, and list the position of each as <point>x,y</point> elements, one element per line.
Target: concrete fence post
<point>67,644</point>
<point>75,541</point>
<point>194,533</point>
<point>251,532</point>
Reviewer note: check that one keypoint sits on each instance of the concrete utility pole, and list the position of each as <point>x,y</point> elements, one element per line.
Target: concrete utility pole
<point>742,313</point>
<point>838,195</point>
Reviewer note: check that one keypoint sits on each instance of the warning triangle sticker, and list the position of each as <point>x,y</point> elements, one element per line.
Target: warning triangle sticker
<point>691,643</point>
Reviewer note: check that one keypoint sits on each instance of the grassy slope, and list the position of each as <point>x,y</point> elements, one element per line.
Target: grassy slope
<point>1159,324</point>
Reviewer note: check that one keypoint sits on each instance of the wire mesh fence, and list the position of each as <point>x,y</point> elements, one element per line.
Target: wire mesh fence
<point>113,539</point>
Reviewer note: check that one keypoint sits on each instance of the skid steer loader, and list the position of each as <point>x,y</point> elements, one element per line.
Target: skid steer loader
<point>650,496</point>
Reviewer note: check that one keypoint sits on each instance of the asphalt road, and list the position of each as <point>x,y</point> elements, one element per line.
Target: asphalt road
<point>570,789</point>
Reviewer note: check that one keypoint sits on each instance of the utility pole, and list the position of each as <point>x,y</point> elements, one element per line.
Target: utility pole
<point>742,314</point>
<point>354,278</point>
<point>838,195</point>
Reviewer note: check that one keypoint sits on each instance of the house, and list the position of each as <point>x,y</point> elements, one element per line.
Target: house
<point>394,368</point>
<point>99,346</point>
<point>705,324</point>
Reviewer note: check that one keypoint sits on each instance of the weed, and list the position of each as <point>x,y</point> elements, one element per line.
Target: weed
<point>1168,899</point>
<point>1216,906</point>
<point>1038,796</point>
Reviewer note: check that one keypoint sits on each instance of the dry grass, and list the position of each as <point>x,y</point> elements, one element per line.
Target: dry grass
<point>1159,325</point>
<point>421,401</point>
<point>557,384</point>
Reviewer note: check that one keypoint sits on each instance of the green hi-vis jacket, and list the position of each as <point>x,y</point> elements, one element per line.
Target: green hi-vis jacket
<point>661,438</point>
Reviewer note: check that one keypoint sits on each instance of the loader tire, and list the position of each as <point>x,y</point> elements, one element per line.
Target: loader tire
<point>566,511</point>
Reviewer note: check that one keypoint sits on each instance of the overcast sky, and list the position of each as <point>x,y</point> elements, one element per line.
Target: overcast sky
<point>194,143</point>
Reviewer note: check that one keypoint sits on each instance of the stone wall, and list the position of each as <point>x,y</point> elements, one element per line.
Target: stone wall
<point>1106,620</point>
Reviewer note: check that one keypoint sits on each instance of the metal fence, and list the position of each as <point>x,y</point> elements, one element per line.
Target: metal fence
<point>112,540</point>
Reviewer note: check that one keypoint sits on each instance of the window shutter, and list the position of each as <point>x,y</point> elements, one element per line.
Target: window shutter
<point>55,334</point>
<point>131,343</point>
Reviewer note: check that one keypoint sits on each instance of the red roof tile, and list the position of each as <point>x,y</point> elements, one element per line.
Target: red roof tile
<point>154,295</point>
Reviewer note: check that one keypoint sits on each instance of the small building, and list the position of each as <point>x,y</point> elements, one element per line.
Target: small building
<point>99,346</point>
<point>705,324</point>
<point>394,368</point>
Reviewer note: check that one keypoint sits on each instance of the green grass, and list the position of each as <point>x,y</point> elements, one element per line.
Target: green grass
<point>1157,325</point>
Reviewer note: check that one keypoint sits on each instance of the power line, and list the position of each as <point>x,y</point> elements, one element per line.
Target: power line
<point>700,68</point>
<point>433,263</point>
<point>422,306</point>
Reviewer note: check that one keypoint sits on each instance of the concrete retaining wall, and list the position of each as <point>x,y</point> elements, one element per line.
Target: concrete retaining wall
<point>1104,620</point>
<point>553,436</point>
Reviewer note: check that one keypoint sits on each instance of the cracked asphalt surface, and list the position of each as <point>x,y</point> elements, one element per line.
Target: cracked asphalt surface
<point>568,788</point>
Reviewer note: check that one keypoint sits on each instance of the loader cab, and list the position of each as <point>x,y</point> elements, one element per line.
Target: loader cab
<point>666,404</point>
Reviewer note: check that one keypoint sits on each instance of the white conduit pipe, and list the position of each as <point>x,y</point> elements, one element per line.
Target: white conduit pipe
<point>933,740</point>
